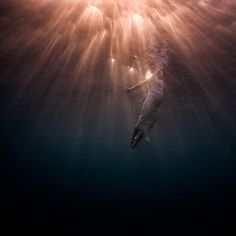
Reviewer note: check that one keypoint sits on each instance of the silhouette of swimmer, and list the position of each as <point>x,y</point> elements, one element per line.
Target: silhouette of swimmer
<point>149,110</point>
<point>157,53</point>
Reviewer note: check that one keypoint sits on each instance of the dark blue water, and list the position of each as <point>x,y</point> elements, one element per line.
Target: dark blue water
<point>65,169</point>
<point>65,156</point>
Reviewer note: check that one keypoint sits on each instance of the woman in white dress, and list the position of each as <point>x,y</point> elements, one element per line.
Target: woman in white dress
<point>157,54</point>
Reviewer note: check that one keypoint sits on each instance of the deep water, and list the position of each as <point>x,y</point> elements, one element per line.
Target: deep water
<point>65,157</point>
<point>59,171</point>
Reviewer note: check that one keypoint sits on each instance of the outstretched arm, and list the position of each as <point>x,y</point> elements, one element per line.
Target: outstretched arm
<point>138,85</point>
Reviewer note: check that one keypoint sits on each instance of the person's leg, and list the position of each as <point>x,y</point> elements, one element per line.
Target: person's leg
<point>147,118</point>
<point>136,137</point>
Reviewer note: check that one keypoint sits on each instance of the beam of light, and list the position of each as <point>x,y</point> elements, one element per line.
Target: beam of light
<point>131,69</point>
<point>88,40</point>
<point>149,75</point>
<point>92,29</point>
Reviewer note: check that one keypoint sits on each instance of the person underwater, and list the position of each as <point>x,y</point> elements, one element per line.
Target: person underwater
<point>157,54</point>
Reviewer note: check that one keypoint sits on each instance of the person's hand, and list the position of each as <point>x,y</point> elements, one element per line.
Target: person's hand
<point>127,90</point>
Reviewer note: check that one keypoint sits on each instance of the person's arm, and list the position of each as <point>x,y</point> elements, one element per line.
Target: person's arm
<point>138,85</point>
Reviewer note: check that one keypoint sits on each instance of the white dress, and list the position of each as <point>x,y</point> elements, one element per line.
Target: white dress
<point>158,55</point>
